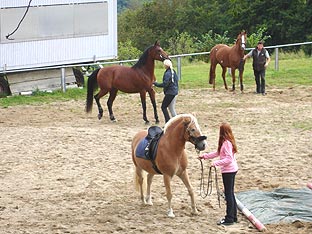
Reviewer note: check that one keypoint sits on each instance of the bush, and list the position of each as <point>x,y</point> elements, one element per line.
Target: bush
<point>127,51</point>
<point>308,48</point>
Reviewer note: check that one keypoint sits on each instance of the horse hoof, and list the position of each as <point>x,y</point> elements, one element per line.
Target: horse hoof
<point>194,212</point>
<point>100,116</point>
<point>112,118</point>
<point>147,122</point>
<point>170,213</point>
<point>157,122</point>
<point>149,203</point>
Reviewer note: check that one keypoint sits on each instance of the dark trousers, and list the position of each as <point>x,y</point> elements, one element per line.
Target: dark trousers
<point>231,206</point>
<point>165,103</point>
<point>260,81</point>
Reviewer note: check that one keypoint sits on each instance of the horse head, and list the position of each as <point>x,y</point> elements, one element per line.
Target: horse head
<point>193,133</point>
<point>242,40</point>
<point>157,53</point>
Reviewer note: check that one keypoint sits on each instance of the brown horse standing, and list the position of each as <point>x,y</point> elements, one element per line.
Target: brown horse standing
<point>136,79</point>
<point>231,57</point>
<point>171,158</point>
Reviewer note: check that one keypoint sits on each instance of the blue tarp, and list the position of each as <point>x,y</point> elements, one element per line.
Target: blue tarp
<point>281,205</point>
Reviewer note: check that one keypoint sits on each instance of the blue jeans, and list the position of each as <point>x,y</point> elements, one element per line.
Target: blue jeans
<point>260,81</point>
<point>165,103</point>
<point>231,206</point>
<point>171,107</point>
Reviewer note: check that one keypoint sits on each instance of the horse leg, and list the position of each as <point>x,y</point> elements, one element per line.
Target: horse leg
<point>139,182</point>
<point>97,100</point>
<point>241,71</point>
<point>223,77</point>
<point>112,96</point>
<point>167,180</point>
<point>151,93</point>
<point>143,102</point>
<point>241,81</point>
<point>184,177</point>
<point>233,78</point>
<point>212,75</point>
<point>148,198</point>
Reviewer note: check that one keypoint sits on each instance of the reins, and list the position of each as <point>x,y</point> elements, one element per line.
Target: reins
<point>204,192</point>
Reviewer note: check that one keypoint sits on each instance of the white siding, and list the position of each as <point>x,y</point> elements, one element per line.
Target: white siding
<point>63,51</point>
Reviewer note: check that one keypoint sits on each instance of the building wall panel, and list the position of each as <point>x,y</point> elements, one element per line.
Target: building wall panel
<point>61,51</point>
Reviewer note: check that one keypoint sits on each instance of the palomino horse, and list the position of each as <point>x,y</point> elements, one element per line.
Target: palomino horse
<point>170,158</point>
<point>136,79</point>
<point>231,57</point>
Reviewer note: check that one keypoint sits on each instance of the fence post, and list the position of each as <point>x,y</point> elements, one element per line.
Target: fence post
<point>63,84</point>
<point>276,59</point>
<point>179,67</point>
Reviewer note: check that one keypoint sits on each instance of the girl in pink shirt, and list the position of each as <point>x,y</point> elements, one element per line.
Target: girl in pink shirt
<point>228,165</point>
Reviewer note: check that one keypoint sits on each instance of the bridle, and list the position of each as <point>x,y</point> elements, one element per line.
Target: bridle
<point>194,140</point>
<point>162,57</point>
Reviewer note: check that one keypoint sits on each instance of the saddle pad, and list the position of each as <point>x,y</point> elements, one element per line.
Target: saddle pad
<point>140,150</point>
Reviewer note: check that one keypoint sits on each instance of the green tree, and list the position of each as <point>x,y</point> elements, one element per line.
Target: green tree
<point>181,43</point>
<point>284,21</point>
<point>254,38</point>
<point>209,40</point>
<point>131,28</point>
<point>127,51</point>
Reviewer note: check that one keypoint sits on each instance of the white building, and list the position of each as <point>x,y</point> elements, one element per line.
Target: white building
<point>56,32</point>
<point>44,33</point>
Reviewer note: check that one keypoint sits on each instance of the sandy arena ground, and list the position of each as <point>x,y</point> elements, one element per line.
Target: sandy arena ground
<point>64,171</point>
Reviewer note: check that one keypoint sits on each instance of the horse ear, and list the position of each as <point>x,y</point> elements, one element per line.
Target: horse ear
<point>157,43</point>
<point>189,118</point>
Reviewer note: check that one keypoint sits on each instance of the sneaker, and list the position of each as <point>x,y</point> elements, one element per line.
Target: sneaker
<point>224,222</point>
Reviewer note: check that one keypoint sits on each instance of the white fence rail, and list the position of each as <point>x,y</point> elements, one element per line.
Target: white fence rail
<point>276,59</point>
<point>178,57</point>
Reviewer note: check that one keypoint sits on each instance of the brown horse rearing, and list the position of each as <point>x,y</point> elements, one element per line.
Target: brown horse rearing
<point>136,79</point>
<point>231,57</point>
<point>171,158</point>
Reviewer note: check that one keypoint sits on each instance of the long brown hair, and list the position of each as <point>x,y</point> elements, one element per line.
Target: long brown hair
<point>226,134</point>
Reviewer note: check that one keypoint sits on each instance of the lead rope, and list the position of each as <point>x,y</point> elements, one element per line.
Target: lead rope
<point>204,192</point>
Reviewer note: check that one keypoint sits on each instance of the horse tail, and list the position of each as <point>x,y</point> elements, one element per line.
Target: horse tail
<point>92,85</point>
